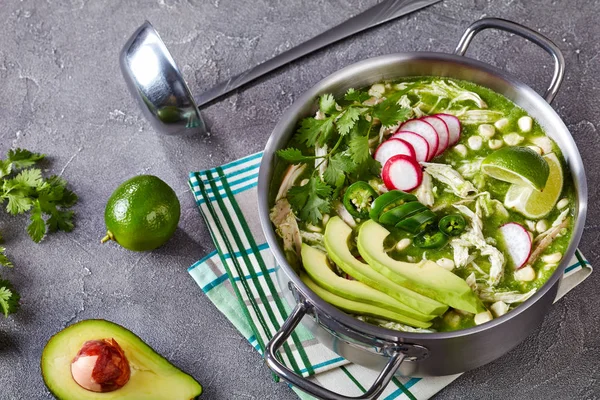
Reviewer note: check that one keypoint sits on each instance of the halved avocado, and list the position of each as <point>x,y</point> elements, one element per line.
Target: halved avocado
<point>425,277</point>
<point>317,267</point>
<point>152,376</point>
<point>337,234</point>
<point>358,308</point>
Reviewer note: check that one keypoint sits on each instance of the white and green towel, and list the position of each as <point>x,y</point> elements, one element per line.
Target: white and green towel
<point>239,278</point>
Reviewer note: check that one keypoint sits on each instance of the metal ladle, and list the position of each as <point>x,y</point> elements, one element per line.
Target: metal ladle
<point>165,99</point>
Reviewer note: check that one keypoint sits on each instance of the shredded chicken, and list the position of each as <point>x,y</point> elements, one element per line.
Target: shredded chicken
<point>344,214</point>
<point>424,192</point>
<point>558,221</point>
<point>451,178</point>
<point>476,117</point>
<point>546,241</point>
<point>286,225</point>
<point>289,179</point>
<point>473,236</point>
<point>461,252</point>
<point>492,296</point>
<point>321,161</point>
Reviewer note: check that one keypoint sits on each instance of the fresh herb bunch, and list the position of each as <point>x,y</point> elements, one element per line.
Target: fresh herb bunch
<point>24,189</point>
<point>344,129</point>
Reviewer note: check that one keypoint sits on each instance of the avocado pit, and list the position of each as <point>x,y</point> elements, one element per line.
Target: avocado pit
<point>100,366</point>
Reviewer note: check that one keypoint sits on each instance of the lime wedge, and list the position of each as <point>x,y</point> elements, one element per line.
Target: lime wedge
<point>531,203</point>
<point>519,165</point>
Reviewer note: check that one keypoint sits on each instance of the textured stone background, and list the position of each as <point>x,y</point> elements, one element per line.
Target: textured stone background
<point>61,93</point>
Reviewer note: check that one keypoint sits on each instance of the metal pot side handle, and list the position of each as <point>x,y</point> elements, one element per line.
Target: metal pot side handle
<point>531,35</point>
<point>301,309</point>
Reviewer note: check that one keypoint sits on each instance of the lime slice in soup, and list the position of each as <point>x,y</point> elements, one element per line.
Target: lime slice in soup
<point>531,203</point>
<point>519,165</point>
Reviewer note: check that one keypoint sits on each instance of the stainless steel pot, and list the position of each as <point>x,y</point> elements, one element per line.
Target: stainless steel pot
<point>415,354</point>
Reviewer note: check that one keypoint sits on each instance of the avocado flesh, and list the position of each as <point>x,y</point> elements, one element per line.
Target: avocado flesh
<point>152,376</point>
<point>337,235</point>
<point>355,307</point>
<point>317,267</point>
<point>425,277</point>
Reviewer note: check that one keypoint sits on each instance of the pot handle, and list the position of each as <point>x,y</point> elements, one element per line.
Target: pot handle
<point>531,35</point>
<point>301,309</point>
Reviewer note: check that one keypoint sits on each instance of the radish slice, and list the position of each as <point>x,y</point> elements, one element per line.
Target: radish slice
<point>392,147</point>
<point>518,243</point>
<point>442,131</point>
<point>422,128</point>
<point>402,173</point>
<point>420,145</point>
<point>453,125</point>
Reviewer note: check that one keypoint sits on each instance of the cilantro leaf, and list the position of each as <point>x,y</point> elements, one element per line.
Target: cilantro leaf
<point>293,155</point>
<point>5,168</point>
<point>314,209</point>
<point>37,227</point>
<point>21,158</point>
<point>389,112</point>
<point>29,178</point>
<point>9,298</point>
<point>348,119</point>
<point>311,200</point>
<point>313,131</point>
<point>18,201</point>
<point>327,104</point>
<point>367,169</point>
<point>359,148</point>
<point>61,221</point>
<point>356,95</point>
<point>4,261</point>
<point>339,164</point>
<point>68,199</point>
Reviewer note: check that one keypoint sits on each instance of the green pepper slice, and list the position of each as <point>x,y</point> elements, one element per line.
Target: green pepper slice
<point>430,239</point>
<point>397,214</point>
<point>453,224</point>
<point>359,198</point>
<point>418,222</point>
<point>389,200</point>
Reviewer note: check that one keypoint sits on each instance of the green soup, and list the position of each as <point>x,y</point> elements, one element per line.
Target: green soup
<point>335,149</point>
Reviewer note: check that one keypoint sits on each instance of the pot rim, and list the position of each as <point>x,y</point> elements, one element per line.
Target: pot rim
<point>289,120</point>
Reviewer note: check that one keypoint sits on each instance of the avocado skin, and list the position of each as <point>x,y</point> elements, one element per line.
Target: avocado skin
<point>59,344</point>
<point>337,234</point>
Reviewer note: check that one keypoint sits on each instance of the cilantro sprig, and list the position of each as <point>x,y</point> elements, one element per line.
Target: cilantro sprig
<point>9,297</point>
<point>26,190</point>
<point>23,189</point>
<point>346,128</point>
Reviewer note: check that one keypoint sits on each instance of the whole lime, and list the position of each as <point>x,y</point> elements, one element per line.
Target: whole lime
<point>142,213</point>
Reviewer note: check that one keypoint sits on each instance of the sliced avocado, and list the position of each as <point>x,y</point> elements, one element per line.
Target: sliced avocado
<point>152,377</point>
<point>425,277</point>
<point>317,267</point>
<point>337,235</point>
<point>358,308</point>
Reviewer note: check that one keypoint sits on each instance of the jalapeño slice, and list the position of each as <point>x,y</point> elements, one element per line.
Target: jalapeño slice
<point>397,214</point>
<point>358,199</point>
<point>452,225</point>
<point>430,239</point>
<point>389,200</point>
<point>418,222</point>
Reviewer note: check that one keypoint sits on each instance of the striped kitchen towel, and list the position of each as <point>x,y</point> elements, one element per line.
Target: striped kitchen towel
<point>239,278</point>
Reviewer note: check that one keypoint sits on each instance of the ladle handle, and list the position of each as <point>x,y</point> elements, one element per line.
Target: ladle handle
<point>524,32</point>
<point>376,15</point>
<point>395,359</point>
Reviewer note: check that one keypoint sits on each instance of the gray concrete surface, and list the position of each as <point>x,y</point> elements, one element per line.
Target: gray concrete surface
<point>61,93</point>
